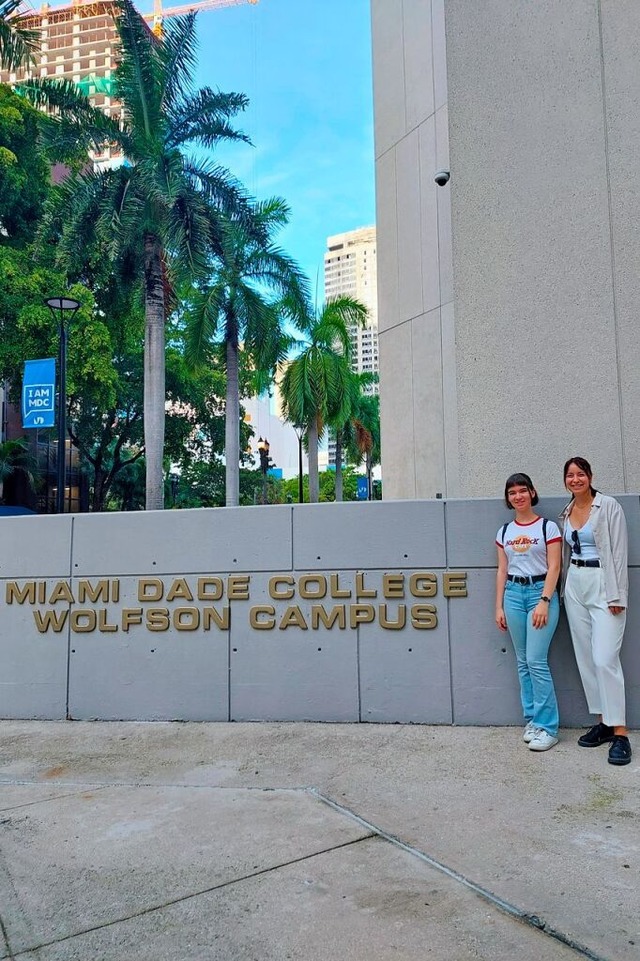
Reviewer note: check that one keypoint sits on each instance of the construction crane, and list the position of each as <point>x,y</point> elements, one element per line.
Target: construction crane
<point>159,13</point>
<point>28,9</point>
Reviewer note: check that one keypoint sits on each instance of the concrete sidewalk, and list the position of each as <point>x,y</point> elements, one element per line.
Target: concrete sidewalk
<point>313,842</point>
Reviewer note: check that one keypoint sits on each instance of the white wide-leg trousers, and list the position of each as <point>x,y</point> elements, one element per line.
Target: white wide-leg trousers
<point>597,638</point>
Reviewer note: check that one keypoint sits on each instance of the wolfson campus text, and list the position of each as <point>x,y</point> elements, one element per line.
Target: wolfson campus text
<point>343,600</point>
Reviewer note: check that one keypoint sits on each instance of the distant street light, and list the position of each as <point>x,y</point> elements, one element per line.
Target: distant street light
<point>60,307</point>
<point>263,450</point>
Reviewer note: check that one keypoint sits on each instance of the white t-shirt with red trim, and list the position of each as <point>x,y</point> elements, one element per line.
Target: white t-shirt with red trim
<point>525,547</point>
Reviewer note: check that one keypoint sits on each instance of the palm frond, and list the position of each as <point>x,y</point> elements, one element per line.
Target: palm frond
<point>18,45</point>
<point>204,117</point>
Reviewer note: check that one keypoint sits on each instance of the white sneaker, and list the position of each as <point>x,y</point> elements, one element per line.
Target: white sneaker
<point>529,732</point>
<point>542,741</point>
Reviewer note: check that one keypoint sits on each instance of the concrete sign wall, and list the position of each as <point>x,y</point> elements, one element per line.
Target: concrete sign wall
<point>345,612</point>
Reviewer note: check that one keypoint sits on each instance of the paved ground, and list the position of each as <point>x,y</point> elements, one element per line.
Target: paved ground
<point>313,842</point>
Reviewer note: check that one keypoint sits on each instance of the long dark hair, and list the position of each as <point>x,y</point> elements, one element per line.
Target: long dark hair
<point>520,480</point>
<point>585,466</point>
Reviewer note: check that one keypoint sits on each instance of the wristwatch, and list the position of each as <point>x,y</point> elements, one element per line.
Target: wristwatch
<point>547,599</point>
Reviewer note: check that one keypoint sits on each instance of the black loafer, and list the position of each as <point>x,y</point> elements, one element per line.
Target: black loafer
<point>620,750</point>
<point>596,735</point>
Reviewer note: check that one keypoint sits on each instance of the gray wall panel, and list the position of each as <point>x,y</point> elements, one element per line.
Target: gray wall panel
<point>184,542</point>
<point>483,673</point>
<point>137,674</point>
<point>402,534</point>
<point>36,546</point>
<point>293,674</point>
<point>404,674</point>
<point>33,666</point>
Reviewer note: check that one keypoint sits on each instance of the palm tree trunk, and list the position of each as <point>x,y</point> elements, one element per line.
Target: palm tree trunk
<point>338,465</point>
<point>314,484</point>
<point>154,376</point>
<point>232,427</point>
<point>368,469</point>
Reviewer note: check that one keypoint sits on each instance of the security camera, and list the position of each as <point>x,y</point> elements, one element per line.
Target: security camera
<point>442,177</point>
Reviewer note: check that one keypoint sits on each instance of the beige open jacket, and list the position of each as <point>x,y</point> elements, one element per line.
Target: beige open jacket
<point>610,533</point>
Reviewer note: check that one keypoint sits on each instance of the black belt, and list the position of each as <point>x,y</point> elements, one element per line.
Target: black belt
<point>533,579</point>
<point>591,562</point>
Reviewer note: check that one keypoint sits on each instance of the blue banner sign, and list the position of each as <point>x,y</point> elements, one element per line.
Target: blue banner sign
<point>362,490</point>
<point>39,393</point>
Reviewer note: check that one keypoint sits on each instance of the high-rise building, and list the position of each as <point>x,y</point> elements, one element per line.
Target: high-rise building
<point>508,295</point>
<point>350,268</point>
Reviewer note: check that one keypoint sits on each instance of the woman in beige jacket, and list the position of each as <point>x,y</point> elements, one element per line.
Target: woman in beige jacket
<point>595,585</point>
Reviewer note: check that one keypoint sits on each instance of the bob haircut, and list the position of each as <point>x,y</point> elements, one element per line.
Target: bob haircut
<point>584,465</point>
<point>520,480</point>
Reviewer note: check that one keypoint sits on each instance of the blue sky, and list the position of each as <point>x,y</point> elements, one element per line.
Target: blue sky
<point>306,67</point>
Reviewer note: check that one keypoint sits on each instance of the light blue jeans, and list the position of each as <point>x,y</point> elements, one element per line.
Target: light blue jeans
<point>531,645</point>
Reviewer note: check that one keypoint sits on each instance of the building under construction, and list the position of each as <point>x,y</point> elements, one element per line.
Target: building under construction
<point>78,43</point>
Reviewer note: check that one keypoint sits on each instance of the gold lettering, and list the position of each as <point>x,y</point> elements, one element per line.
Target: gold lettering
<point>61,592</point>
<point>180,589</point>
<point>193,618</point>
<point>150,589</point>
<point>103,624</point>
<point>361,590</point>
<point>286,593</point>
<point>334,581</point>
<point>21,594</point>
<point>423,585</point>
<point>42,592</point>
<point>424,617</point>
<point>158,619</point>
<point>76,621</point>
<point>219,618</point>
<point>316,593</point>
<point>51,619</point>
<point>99,592</point>
<point>115,590</point>
<point>361,614</point>
<point>293,617</point>
<point>204,583</point>
<point>393,585</point>
<point>388,624</point>
<point>328,618</point>
<point>256,612</point>
<point>131,615</point>
<point>455,584</point>
<point>238,587</point>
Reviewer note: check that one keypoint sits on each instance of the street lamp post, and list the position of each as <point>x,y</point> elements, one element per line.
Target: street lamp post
<point>263,450</point>
<point>299,431</point>
<point>59,307</point>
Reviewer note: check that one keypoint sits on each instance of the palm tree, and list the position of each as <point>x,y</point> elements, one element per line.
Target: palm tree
<point>160,214</point>
<point>316,384</point>
<point>235,309</point>
<point>17,45</point>
<point>362,435</point>
<point>359,384</point>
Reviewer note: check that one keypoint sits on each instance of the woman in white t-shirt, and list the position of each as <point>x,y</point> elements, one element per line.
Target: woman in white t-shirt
<point>529,551</point>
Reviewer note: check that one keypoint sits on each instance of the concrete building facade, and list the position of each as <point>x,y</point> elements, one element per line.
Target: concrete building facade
<point>508,297</point>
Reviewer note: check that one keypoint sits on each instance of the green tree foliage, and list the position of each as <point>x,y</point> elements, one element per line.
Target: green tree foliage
<point>24,171</point>
<point>159,216</point>
<point>105,377</point>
